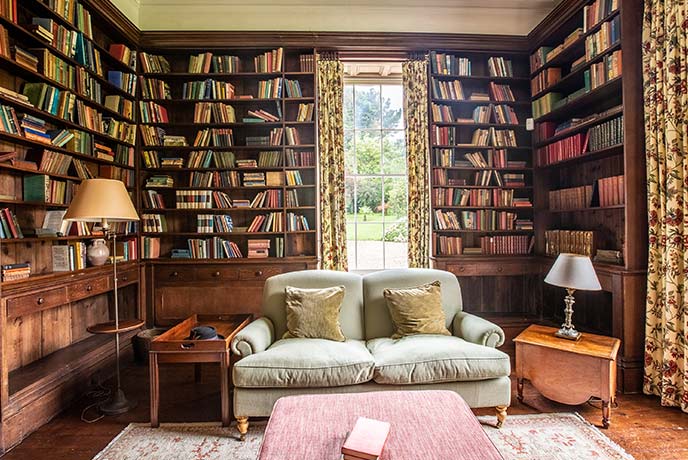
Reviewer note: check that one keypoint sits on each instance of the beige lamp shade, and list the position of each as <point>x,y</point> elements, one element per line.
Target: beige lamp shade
<point>573,271</point>
<point>101,200</point>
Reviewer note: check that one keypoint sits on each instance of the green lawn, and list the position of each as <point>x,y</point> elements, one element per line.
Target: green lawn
<point>371,228</point>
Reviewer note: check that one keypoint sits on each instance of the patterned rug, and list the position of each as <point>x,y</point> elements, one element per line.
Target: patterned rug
<point>523,437</point>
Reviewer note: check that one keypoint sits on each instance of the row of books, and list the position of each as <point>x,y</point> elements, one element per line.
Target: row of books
<point>293,88</point>
<point>442,89</point>
<point>271,222</point>
<point>500,67</point>
<point>260,115</point>
<point>601,72</point>
<point>150,247</point>
<point>224,179</point>
<point>448,64</point>
<point>153,88</point>
<point>217,137</point>
<point>270,61</point>
<point>501,92</point>
<point>502,114</point>
<point>123,80</point>
<point>545,79</point>
<point>153,223</point>
<point>545,54</point>
<point>442,135</point>
<point>270,88</point>
<point>611,191</point>
<point>42,188</point>
<point>606,135</point>
<point>305,112</point>
<point>202,199</point>
<point>442,178</point>
<point>297,222</point>
<point>14,272</point>
<point>206,112</point>
<point>121,105</point>
<point>597,11</point>
<point>563,149</point>
<point>447,158</point>
<point>481,220</point>
<point>207,63</point>
<point>573,241</point>
<point>74,44</point>
<point>208,89</point>
<point>152,112</point>
<point>507,245</point>
<point>479,197</point>
<point>213,248</point>
<point>307,63</point>
<point>151,63</point>
<point>608,35</point>
<point>606,191</point>
<point>9,225</point>
<point>123,54</point>
<point>69,257</point>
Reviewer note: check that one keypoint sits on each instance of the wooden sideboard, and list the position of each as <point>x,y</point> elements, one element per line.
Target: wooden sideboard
<point>47,357</point>
<point>180,288</point>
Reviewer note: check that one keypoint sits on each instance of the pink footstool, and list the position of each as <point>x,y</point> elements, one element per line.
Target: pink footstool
<point>425,425</point>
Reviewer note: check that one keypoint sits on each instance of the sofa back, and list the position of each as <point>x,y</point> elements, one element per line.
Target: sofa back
<point>378,322</point>
<point>350,316</point>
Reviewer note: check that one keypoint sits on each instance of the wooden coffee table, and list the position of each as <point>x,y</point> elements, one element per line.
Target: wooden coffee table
<point>566,371</point>
<point>173,347</point>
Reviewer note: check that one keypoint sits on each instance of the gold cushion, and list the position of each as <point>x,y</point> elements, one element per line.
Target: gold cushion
<point>417,310</point>
<point>314,313</point>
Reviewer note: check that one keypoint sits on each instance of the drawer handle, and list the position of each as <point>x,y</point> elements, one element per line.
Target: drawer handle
<point>125,278</point>
<point>174,274</point>
<point>40,301</point>
<point>462,269</point>
<point>259,273</point>
<point>499,269</point>
<point>187,346</point>
<point>216,274</point>
<point>89,288</point>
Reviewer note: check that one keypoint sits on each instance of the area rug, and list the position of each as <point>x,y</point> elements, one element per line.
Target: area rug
<point>523,437</point>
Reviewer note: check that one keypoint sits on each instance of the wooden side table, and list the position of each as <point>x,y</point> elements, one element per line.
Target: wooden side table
<point>174,347</point>
<point>566,371</point>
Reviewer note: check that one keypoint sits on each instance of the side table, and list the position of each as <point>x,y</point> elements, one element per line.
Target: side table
<point>174,347</point>
<point>566,371</point>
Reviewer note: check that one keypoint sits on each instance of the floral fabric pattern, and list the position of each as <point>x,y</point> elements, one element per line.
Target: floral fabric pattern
<point>415,80</point>
<point>665,75</point>
<point>331,146</point>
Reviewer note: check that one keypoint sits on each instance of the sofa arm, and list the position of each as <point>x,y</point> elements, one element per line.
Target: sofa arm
<point>477,330</point>
<point>254,338</point>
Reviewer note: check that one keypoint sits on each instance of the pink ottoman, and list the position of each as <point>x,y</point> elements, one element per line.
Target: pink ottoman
<point>425,425</point>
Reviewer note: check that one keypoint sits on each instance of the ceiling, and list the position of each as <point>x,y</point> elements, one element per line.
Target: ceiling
<point>515,17</point>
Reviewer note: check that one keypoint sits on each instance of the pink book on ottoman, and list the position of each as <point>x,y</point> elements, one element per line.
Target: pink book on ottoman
<point>366,439</point>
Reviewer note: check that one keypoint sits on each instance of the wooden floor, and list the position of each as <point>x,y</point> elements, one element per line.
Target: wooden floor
<point>640,425</point>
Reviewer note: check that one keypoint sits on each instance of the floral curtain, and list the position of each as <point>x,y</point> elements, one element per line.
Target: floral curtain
<point>415,79</point>
<point>665,57</point>
<point>331,145</point>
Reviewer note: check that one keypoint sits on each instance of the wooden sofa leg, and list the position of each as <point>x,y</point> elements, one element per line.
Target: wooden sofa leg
<point>501,415</point>
<point>242,426</point>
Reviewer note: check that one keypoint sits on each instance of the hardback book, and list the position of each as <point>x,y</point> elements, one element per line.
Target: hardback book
<point>61,258</point>
<point>367,439</point>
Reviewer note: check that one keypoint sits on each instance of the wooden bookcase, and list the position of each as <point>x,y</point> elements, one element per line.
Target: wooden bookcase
<point>46,354</point>
<point>618,224</point>
<point>172,279</point>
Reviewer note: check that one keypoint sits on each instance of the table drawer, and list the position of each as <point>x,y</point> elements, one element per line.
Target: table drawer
<point>87,288</point>
<point>485,269</point>
<point>174,274</point>
<point>217,273</point>
<point>129,276</point>
<point>259,273</point>
<point>36,301</point>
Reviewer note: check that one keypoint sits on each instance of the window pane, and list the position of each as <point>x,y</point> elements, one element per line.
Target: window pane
<point>367,98</point>
<point>392,106</point>
<point>368,155</point>
<point>396,201</point>
<point>369,200</point>
<point>396,255</point>
<point>348,107</point>
<point>349,198</point>
<point>394,152</point>
<point>349,152</point>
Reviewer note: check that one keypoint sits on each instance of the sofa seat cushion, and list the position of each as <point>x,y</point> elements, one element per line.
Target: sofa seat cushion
<point>419,359</point>
<point>306,363</point>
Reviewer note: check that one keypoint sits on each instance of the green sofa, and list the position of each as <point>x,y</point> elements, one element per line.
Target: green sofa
<point>369,360</point>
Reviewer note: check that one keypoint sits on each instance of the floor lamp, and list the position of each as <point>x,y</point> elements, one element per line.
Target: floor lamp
<point>105,201</point>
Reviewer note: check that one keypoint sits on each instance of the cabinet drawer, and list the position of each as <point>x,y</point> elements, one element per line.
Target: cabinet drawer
<point>505,269</point>
<point>87,288</point>
<point>173,274</point>
<point>259,273</point>
<point>128,277</point>
<point>36,301</point>
<point>216,273</point>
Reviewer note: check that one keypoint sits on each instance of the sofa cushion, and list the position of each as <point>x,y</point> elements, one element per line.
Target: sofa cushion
<point>418,359</point>
<point>417,310</point>
<point>306,363</point>
<point>314,313</point>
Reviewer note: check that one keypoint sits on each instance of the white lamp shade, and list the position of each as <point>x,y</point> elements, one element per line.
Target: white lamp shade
<point>101,200</point>
<point>573,271</point>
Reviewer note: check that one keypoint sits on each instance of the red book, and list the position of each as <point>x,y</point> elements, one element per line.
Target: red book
<point>367,439</point>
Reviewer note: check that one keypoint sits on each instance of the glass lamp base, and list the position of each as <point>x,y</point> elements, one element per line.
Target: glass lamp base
<point>568,333</point>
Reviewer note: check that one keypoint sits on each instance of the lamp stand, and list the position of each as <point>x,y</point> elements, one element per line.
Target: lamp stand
<point>118,402</point>
<point>568,331</point>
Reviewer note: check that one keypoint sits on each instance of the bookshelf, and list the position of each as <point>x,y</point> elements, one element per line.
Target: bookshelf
<point>480,155</point>
<point>589,169</point>
<point>63,120</point>
<point>229,150</point>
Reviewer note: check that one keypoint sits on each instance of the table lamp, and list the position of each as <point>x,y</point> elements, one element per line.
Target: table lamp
<point>572,272</point>
<point>105,201</point>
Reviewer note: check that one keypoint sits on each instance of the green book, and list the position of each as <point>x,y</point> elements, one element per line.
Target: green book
<point>37,188</point>
<point>36,93</point>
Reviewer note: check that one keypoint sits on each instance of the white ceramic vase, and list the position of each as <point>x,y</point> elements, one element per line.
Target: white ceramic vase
<point>97,252</point>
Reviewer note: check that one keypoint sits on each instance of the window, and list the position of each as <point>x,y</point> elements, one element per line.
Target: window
<point>376,175</point>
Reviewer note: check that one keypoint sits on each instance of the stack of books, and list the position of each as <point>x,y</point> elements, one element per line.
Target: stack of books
<point>366,440</point>
<point>160,181</point>
<point>254,179</point>
<point>13,272</point>
<point>35,129</point>
<point>258,249</point>
<point>25,59</point>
